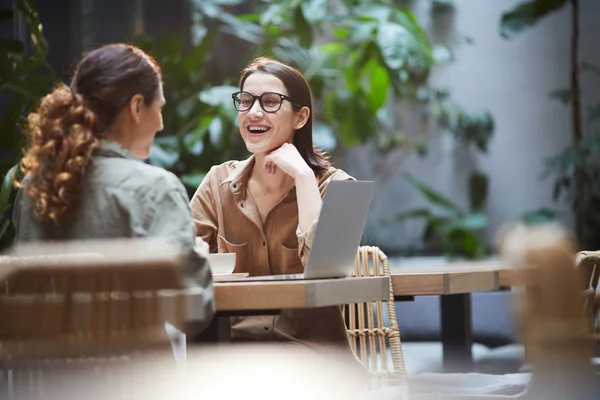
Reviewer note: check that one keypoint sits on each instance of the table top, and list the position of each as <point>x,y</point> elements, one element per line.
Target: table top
<point>240,295</point>
<point>452,278</point>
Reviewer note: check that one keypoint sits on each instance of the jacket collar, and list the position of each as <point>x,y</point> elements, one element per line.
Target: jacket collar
<point>239,179</point>
<point>109,148</point>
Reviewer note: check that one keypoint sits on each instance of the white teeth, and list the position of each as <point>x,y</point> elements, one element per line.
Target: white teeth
<point>258,128</point>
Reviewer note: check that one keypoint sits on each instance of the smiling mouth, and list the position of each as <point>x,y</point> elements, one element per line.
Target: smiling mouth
<point>258,130</point>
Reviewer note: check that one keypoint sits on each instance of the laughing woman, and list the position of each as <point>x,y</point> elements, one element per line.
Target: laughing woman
<point>265,208</point>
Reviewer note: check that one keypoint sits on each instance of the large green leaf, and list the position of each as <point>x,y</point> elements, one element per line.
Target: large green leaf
<point>470,222</point>
<point>526,15</point>
<point>424,213</point>
<point>272,15</point>
<point>361,31</point>
<point>218,95</point>
<point>244,30</point>
<point>352,112</point>
<point>433,196</point>
<point>8,187</point>
<point>378,82</point>
<point>394,41</point>
<point>302,28</point>
<point>421,52</point>
<point>314,10</point>
<point>39,43</point>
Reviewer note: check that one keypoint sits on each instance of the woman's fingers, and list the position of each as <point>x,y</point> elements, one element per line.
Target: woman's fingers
<point>270,166</point>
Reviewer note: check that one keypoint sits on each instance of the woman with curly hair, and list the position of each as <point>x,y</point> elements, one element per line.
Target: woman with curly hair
<point>83,177</point>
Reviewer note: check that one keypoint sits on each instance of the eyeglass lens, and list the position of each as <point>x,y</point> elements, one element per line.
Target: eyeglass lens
<point>270,102</point>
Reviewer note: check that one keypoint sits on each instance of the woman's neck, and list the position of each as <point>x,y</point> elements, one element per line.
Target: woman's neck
<point>116,135</point>
<point>269,183</point>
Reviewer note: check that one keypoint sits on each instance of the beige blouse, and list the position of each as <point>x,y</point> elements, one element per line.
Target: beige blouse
<point>227,218</point>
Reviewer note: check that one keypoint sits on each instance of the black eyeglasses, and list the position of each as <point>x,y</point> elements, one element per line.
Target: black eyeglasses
<point>269,101</point>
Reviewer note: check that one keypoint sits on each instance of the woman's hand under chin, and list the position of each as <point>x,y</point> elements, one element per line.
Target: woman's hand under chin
<point>289,160</point>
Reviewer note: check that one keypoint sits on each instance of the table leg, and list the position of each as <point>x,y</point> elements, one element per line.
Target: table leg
<point>457,335</point>
<point>219,331</point>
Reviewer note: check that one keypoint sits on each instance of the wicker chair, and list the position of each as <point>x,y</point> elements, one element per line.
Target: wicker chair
<point>589,262</point>
<point>87,306</point>
<point>370,339</point>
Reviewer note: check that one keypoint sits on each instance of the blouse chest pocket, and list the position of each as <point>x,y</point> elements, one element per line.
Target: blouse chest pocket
<point>290,260</point>
<point>243,253</point>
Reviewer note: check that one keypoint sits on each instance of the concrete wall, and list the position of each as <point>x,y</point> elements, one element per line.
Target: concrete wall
<point>512,80</point>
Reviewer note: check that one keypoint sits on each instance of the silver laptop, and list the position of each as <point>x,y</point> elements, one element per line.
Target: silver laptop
<point>339,230</point>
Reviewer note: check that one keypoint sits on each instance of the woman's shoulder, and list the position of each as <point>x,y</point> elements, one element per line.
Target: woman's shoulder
<point>333,173</point>
<point>134,174</point>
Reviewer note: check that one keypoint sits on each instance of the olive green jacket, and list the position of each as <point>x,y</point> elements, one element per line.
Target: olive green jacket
<point>122,197</point>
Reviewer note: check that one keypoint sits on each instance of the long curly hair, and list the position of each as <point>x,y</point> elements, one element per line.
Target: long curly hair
<point>69,123</point>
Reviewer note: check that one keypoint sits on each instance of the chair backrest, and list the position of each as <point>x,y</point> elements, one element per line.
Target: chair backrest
<point>552,313</point>
<point>589,264</point>
<point>370,339</point>
<point>90,297</point>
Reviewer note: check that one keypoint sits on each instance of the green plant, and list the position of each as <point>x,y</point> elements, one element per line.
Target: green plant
<point>8,193</point>
<point>449,228</point>
<point>575,171</point>
<point>25,76</point>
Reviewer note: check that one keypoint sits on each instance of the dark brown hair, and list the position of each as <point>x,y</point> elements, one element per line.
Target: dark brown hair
<point>69,123</point>
<point>299,90</point>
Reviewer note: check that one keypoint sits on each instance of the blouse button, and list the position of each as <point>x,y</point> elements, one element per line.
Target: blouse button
<point>264,243</point>
<point>266,328</point>
<point>242,205</point>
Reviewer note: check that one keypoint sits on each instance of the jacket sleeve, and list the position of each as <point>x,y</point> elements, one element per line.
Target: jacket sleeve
<point>204,211</point>
<point>305,238</point>
<point>171,218</point>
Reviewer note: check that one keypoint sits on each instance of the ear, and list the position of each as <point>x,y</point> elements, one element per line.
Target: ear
<point>301,117</point>
<point>135,107</point>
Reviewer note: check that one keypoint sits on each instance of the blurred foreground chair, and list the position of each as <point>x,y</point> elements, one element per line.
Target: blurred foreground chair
<point>370,339</point>
<point>589,263</point>
<point>85,305</point>
<point>552,313</point>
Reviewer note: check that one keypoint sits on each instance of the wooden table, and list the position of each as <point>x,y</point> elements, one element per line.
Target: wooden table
<point>239,297</point>
<point>454,282</point>
<point>243,295</point>
<point>447,279</point>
